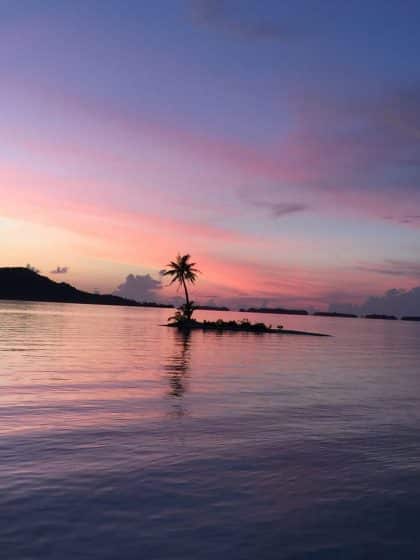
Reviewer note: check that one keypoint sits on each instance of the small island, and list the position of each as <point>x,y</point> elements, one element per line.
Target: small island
<point>235,326</point>
<point>182,271</point>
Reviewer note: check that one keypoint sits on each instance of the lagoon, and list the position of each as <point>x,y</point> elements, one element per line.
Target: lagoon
<point>123,439</point>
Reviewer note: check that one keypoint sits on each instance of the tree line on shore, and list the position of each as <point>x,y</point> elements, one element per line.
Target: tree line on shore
<point>27,284</point>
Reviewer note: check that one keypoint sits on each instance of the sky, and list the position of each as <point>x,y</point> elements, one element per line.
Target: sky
<point>276,142</point>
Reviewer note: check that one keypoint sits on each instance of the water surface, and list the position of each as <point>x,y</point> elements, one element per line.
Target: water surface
<point>123,439</point>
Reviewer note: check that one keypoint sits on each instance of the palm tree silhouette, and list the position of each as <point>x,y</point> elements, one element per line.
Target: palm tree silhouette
<point>182,270</point>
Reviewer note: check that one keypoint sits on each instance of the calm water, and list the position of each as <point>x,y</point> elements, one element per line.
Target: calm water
<point>120,439</point>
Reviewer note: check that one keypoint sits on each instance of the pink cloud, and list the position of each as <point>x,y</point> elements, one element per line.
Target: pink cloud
<point>331,168</point>
<point>347,158</point>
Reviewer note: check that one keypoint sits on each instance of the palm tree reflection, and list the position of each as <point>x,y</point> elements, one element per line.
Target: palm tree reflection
<point>177,368</point>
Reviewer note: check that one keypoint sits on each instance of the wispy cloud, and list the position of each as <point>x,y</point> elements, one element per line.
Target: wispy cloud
<point>344,155</point>
<point>410,219</point>
<point>280,209</point>
<point>391,267</point>
<point>207,10</point>
<point>349,155</point>
<point>215,13</point>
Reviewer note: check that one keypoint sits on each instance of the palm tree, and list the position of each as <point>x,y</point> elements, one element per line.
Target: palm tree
<point>182,270</point>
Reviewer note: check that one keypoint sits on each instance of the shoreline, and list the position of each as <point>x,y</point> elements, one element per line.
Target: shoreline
<point>152,305</point>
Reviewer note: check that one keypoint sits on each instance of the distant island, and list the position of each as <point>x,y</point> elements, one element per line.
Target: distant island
<point>211,308</point>
<point>334,314</point>
<point>386,317</point>
<point>275,310</point>
<point>285,311</point>
<point>27,285</point>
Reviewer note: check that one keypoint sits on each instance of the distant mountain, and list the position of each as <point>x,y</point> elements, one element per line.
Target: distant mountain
<point>26,284</point>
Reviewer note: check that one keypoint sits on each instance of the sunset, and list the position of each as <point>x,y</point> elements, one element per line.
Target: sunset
<point>258,136</point>
<point>209,165</point>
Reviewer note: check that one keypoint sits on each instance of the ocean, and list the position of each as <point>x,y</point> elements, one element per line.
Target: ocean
<point>123,439</point>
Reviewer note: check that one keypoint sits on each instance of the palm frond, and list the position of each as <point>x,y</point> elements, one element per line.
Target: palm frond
<point>169,272</point>
<point>181,270</point>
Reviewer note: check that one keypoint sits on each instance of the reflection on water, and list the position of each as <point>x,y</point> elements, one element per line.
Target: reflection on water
<point>123,439</point>
<point>177,366</point>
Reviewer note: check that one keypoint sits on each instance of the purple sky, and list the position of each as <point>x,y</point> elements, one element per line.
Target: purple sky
<point>278,142</point>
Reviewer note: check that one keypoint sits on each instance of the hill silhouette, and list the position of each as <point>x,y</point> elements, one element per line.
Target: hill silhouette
<point>26,284</point>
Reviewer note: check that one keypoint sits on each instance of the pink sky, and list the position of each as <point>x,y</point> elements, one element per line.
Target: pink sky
<point>118,155</point>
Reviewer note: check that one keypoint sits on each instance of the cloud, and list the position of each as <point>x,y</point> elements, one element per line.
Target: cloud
<point>60,270</point>
<point>140,288</point>
<point>262,30</point>
<point>410,219</point>
<point>375,141</point>
<point>353,154</point>
<point>215,13</point>
<point>392,267</point>
<point>207,10</point>
<point>394,302</point>
<point>281,209</point>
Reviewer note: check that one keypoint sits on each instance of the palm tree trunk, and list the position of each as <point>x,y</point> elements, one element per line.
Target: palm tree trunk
<point>187,299</point>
